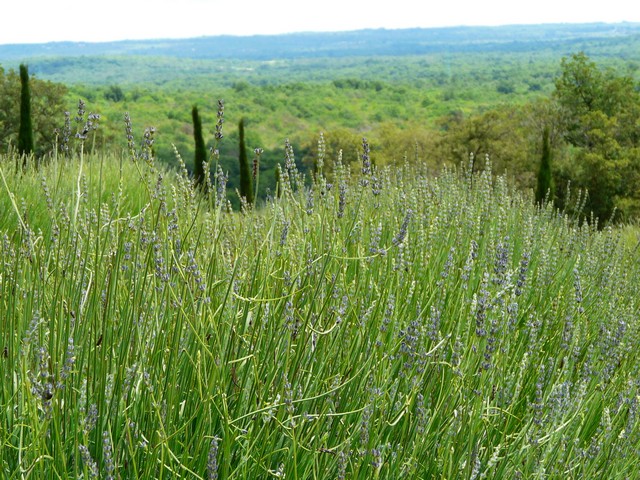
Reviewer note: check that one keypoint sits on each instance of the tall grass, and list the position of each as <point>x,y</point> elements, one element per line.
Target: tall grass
<point>380,324</point>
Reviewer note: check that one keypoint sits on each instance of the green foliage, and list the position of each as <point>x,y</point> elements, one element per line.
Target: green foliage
<point>47,100</point>
<point>592,122</point>
<point>200,159</point>
<point>545,178</point>
<point>298,92</point>
<point>246,183</point>
<point>505,88</point>
<point>436,107</point>
<point>599,116</point>
<point>114,94</point>
<point>25,132</point>
<point>584,90</point>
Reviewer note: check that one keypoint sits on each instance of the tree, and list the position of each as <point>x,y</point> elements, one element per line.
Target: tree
<point>25,132</point>
<point>339,142</point>
<point>545,179</point>
<point>246,184</point>
<point>598,116</point>
<point>201,152</point>
<point>47,110</point>
<point>583,90</point>
<point>478,136</point>
<point>114,94</point>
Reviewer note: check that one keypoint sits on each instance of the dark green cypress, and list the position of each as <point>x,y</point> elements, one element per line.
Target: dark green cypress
<point>277,179</point>
<point>201,151</point>
<point>545,178</point>
<point>246,184</point>
<point>25,133</point>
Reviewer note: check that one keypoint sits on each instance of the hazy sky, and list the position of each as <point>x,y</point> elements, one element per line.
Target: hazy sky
<point>55,20</point>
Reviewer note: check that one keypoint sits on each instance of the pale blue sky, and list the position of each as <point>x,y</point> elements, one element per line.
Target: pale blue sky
<point>55,20</point>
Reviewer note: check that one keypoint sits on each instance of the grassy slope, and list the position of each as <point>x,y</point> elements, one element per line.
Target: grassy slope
<point>392,324</point>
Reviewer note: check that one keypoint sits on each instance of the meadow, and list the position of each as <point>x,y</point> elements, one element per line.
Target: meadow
<point>363,322</point>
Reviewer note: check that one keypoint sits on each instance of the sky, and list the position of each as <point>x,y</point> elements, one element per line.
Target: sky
<point>107,20</point>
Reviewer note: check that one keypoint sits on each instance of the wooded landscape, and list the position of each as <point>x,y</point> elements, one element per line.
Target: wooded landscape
<point>435,96</point>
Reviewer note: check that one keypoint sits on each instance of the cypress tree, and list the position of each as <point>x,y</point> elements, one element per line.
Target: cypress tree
<point>246,185</point>
<point>277,178</point>
<point>25,133</point>
<point>201,151</point>
<point>545,179</point>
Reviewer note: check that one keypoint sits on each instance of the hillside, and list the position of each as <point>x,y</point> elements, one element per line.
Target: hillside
<point>342,44</point>
<point>310,56</point>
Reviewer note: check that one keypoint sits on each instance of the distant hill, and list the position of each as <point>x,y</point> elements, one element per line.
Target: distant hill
<point>336,44</point>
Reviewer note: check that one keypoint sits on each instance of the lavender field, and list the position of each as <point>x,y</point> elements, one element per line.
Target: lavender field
<point>364,323</point>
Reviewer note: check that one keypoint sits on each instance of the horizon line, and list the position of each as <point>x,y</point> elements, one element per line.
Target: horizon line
<point>318,32</point>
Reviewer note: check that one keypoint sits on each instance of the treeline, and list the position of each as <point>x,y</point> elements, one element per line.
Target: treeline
<point>367,43</point>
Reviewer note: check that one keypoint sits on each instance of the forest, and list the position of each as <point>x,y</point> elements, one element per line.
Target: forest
<point>434,96</point>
